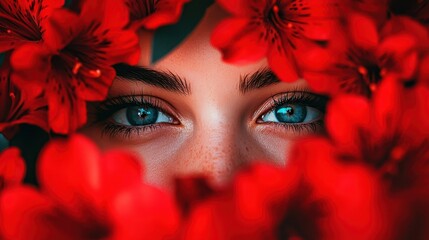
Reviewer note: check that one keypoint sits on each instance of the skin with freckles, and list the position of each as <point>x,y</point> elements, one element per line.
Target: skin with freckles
<point>215,128</point>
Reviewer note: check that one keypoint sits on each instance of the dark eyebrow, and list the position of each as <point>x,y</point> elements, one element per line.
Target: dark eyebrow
<point>166,80</point>
<point>261,78</point>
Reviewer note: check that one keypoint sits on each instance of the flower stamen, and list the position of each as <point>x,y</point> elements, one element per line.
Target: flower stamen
<point>276,9</point>
<point>95,73</point>
<point>362,70</point>
<point>397,153</point>
<point>76,67</point>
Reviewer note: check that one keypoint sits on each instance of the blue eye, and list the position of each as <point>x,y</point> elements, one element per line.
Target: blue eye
<point>292,114</point>
<point>140,116</point>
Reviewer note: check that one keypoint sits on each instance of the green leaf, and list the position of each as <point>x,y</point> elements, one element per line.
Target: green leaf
<point>68,3</point>
<point>2,56</point>
<point>4,143</point>
<point>168,37</point>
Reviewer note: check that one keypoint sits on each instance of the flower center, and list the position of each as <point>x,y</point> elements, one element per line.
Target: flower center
<point>77,67</point>
<point>276,18</point>
<point>397,153</point>
<point>372,75</point>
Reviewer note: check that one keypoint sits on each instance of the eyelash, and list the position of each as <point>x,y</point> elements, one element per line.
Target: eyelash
<point>106,109</point>
<point>110,106</point>
<point>296,97</point>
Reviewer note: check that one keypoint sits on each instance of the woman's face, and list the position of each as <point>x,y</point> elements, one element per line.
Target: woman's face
<point>191,113</point>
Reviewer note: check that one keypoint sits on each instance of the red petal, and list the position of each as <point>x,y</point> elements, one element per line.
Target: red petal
<point>282,65</point>
<point>12,167</point>
<point>238,41</point>
<point>244,8</point>
<point>355,188</point>
<point>8,42</point>
<point>18,107</point>
<point>423,74</point>
<point>402,49</point>
<point>167,12</point>
<point>24,21</point>
<point>311,56</point>
<point>79,177</point>
<point>31,64</point>
<point>70,172</point>
<point>388,106</point>
<point>160,220</point>
<point>124,48</point>
<point>113,14</point>
<point>95,89</point>
<point>191,190</point>
<point>24,208</point>
<point>346,117</point>
<point>363,31</point>
<point>121,171</point>
<point>323,83</point>
<point>406,25</point>
<point>61,28</point>
<point>66,111</point>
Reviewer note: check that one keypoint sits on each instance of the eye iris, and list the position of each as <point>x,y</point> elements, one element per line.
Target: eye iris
<point>138,116</point>
<point>291,113</point>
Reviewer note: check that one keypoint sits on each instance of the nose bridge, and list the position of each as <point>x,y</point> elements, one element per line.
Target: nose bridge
<point>218,140</point>
<point>215,148</point>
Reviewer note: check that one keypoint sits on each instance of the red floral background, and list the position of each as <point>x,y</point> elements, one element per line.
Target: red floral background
<point>367,178</point>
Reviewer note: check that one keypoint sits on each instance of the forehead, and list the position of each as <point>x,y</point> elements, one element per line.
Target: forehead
<point>195,59</point>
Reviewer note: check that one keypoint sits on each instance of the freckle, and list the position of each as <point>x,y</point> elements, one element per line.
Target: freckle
<point>247,149</point>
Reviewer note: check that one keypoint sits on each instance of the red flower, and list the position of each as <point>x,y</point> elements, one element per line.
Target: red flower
<point>381,10</point>
<point>23,21</point>
<point>356,203</point>
<point>12,168</point>
<point>16,107</point>
<point>256,206</point>
<point>73,65</point>
<point>363,55</point>
<point>373,170</point>
<point>152,14</point>
<point>376,9</point>
<point>87,195</point>
<point>281,30</point>
<point>192,190</point>
<point>389,133</point>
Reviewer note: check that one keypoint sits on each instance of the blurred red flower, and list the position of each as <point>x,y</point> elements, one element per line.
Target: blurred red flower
<point>363,54</point>
<point>356,203</point>
<point>382,10</point>
<point>12,168</point>
<point>87,195</point>
<point>24,21</point>
<point>73,64</point>
<point>388,133</point>
<point>17,107</point>
<point>377,154</point>
<point>280,30</point>
<point>255,206</point>
<point>151,14</point>
<point>192,190</point>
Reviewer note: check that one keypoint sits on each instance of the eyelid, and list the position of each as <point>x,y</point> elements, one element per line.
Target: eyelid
<point>302,97</point>
<point>110,106</point>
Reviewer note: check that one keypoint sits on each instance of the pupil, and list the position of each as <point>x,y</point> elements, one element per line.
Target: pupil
<point>139,116</point>
<point>291,113</point>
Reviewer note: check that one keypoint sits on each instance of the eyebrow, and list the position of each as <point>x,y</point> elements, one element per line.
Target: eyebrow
<point>166,80</point>
<point>262,78</point>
